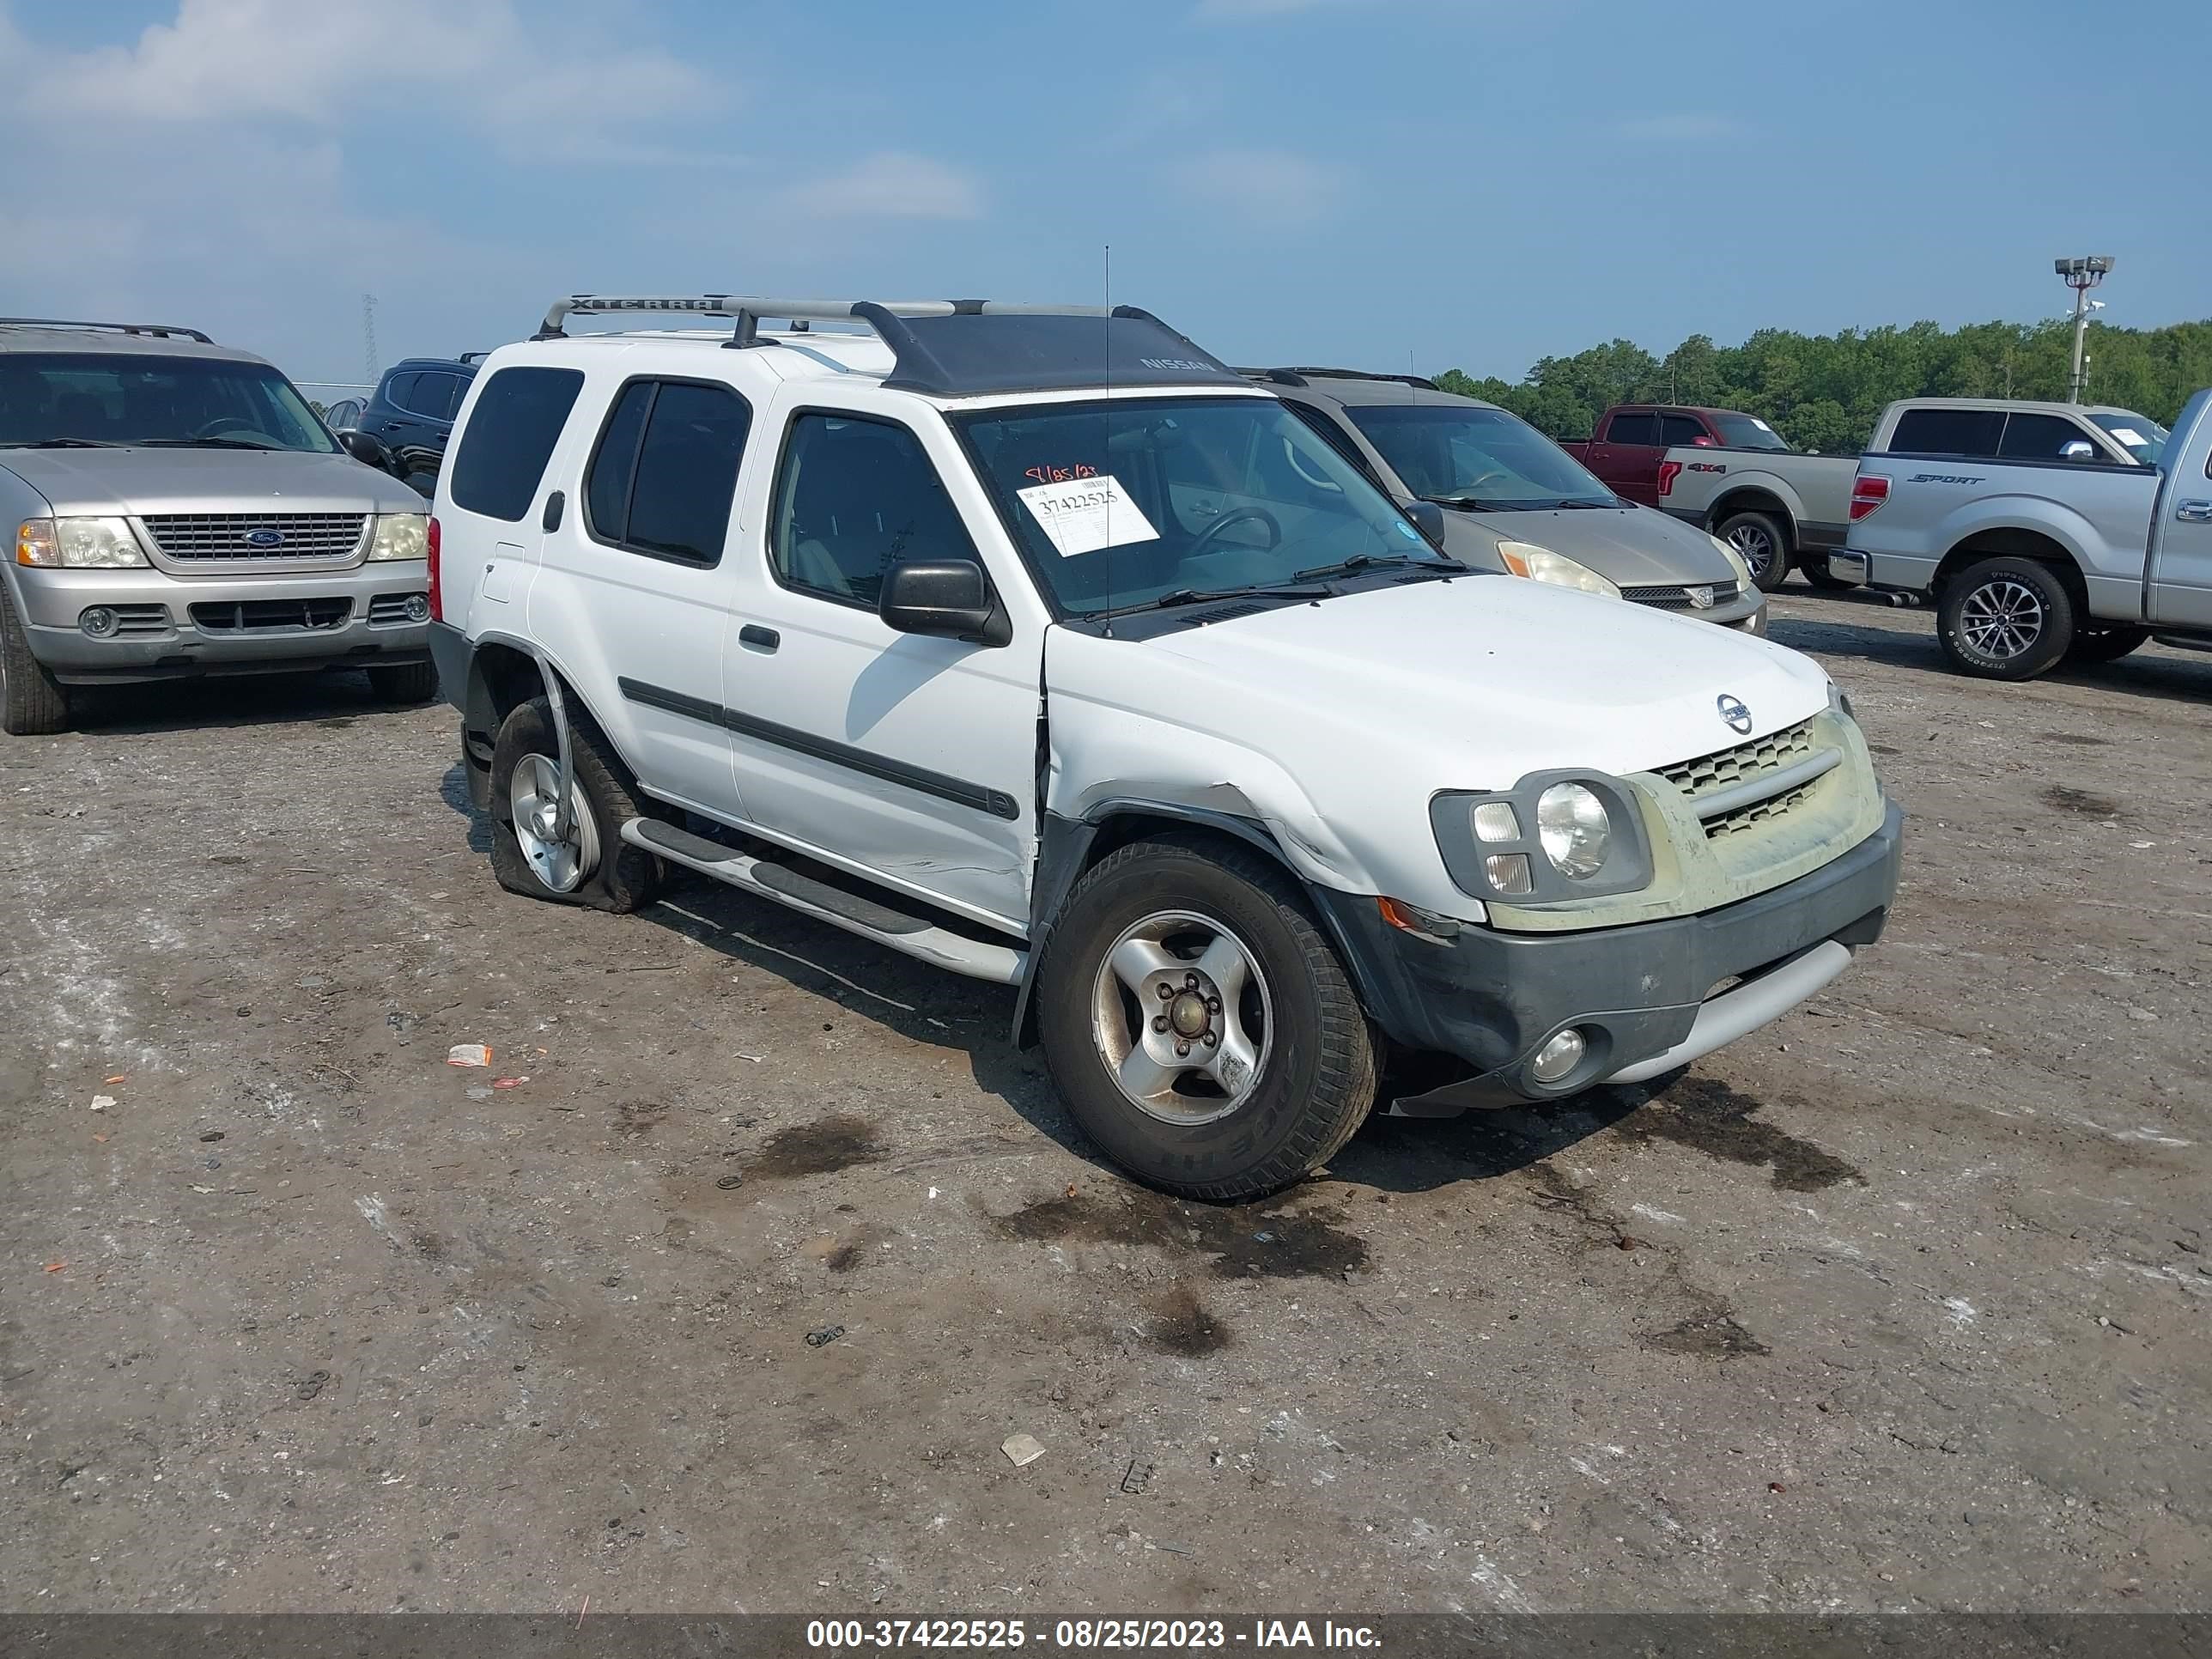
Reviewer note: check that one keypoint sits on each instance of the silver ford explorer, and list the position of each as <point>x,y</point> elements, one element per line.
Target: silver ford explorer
<point>177,509</point>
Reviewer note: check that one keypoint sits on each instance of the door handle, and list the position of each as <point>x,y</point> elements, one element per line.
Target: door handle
<point>2195,512</point>
<point>554,503</point>
<point>763,639</point>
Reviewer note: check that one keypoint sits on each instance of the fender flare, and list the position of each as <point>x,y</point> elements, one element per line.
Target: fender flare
<point>1064,853</point>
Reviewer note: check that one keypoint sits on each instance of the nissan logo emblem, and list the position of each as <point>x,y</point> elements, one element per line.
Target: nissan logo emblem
<point>1733,711</point>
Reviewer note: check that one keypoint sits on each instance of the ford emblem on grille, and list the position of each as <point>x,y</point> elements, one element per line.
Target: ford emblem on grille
<point>262,538</point>
<point>1701,598</point>
<point>1733,711</point>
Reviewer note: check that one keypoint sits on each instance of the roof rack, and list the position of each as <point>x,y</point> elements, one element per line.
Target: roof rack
<point>163,330</point>
<point>1297,376</point>
<point>473,356</point>
<point>957,348</point>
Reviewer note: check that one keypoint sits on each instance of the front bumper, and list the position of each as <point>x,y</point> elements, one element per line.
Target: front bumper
<point>179,627</point>
<point>1641,993</point>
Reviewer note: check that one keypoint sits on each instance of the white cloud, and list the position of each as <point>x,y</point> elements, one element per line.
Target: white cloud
<point>1686,127</point>
<point>891,185</point>
<point>1264,186</point>
<point>321,62</point>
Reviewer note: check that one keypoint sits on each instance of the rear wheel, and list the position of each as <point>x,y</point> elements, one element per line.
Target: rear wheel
<point>1762,543</point>
<point>2106,644</point>
<point>33,703</point>
<point>2006,618</point>
<point>585,861</point>
<point>1198,1023</point>
<point>413,681</point>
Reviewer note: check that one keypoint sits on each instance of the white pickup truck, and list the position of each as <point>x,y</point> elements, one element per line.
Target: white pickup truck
<point>1042,646</point>
<point>2045,532</point>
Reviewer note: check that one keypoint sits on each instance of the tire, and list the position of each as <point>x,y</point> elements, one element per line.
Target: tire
<point>1303,1034</point>
<point>1762,544</point>
<point>33,703</point>
<point>608,873</point>
<point>1815,567</point>
<point>412,682</point>
<point>2006,618</point>
<point>2093,645</point>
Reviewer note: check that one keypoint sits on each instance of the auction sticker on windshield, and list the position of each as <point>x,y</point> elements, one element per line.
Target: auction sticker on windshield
<point>1085,515</point>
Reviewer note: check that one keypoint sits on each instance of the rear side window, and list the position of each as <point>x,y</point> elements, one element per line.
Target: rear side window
<point>855,497</point>
<point>2041,437</point>
<point>399,390</point>
<point>1633,429</point>
<point>666,470</point>
<point>510,438</point>
<point>1948,432</point>
<point>1675,430</point>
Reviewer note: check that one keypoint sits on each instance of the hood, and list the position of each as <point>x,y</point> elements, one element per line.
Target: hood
<point>140,481</point>
<point>1630,546</point>
<point>1507,677</point>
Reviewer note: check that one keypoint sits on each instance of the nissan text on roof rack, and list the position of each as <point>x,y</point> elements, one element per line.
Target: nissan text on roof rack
<point>1038,644</point>
<point>176,509</point>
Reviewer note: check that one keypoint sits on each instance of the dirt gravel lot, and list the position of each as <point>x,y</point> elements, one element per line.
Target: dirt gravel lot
<point>1901,1304</point>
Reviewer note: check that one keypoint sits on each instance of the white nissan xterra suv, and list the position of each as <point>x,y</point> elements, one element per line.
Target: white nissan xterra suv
<point>1039,644</point>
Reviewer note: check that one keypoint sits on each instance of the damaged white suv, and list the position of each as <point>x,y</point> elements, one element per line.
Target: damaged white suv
<point>1041,645</point>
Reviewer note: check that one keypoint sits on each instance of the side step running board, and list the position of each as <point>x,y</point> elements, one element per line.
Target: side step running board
<point>911,935</point>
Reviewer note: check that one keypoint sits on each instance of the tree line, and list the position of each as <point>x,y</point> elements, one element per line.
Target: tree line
<point>1824,391</point>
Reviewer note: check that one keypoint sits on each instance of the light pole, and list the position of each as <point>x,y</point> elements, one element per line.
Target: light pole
<point>2081,275</point>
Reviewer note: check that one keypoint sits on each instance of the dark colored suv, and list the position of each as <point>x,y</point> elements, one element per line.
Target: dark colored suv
<point>410,415</point>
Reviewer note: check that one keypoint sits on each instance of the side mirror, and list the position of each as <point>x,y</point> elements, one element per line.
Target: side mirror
<point>949,598</point>
<point>1428,518</point>
<point>2077,449</point>
<point>367,448</point>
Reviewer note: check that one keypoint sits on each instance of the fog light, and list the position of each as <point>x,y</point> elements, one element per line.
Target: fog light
<point>1558,1057</point>
<point>418,608</point>
<point>99,622</point>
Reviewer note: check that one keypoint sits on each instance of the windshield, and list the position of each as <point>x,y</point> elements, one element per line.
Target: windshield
<point>1462,454</point>
<point>68,399</point>
<point>1125,503</point>
<point>1748,431</point>
<point>2140,436</point>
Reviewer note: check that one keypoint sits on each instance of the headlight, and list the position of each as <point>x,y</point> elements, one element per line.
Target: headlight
<point>1540,564</point>
<point>1735,562</point>
<point>1552,837</point>
<point>401,536</point>
<point>1574,829</point>
<point>77,544</point>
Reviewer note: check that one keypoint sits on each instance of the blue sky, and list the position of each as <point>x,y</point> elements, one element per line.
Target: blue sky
<point>1458,183</point>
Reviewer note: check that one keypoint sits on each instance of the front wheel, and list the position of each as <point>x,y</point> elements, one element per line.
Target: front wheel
<point>1198,1023</point>
<point>33,703</point>
<point>2006,619</point>
<point>585,861</point>
<point>1762,543</point>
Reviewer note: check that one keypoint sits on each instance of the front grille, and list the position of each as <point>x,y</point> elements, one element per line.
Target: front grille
<point>271,616</point>
<point>1727,768</point>
<point>191,535</point>
<point>388,608</point>
<point>141,618</point>
<point>1727,824</point>
<point>1678,598</point>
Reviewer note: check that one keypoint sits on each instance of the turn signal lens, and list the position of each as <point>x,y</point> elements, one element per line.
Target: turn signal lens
<point>35,544</point>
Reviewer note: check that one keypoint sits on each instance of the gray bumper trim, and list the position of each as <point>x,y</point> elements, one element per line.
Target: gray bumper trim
<point>1742,1011</point>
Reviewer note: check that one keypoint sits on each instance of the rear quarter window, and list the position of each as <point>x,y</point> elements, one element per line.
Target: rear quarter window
<point>1972,432</point>
<point>508,440</point>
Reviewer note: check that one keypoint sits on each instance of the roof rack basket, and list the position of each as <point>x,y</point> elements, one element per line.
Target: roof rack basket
<point>955,348</point>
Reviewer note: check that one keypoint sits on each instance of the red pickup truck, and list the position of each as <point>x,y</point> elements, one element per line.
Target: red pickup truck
<point>1632,438</point>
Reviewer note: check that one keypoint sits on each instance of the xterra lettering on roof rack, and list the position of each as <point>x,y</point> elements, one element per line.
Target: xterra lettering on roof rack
<point>959,348</point>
